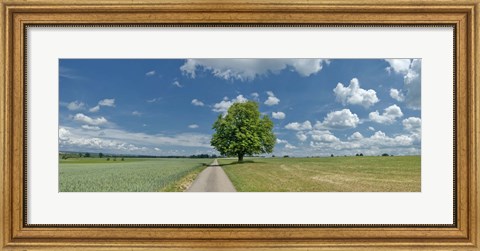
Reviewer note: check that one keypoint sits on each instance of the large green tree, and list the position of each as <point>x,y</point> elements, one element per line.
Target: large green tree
<point>242,131</point>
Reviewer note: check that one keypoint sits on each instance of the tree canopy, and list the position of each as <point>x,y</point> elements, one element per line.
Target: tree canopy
<point>242,131</point>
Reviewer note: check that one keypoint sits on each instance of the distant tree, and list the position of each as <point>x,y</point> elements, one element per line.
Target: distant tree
<point>87,155</point>
<point>100,155</point>
<point>273,156</point>
<point>331,155</point>
<point>361,154</point>
<point>357,155</point>
<point>80,155</point>
<point>243,132</point>
<point>108,159</point>
<point>385,154</point>
<point>123,159</point>
<point>286,156</point>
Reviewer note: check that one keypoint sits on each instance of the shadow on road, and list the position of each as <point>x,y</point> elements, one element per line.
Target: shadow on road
<point>243,162</point>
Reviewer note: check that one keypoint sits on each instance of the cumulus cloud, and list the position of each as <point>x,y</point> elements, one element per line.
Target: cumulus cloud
<point>150,73</point>
<point>355,136</point>
<point>412,124</point>
<point>289,146</point>
<point>255,95</point>
<point>136,113</point>
<point>398,65</point>
<point>193,126</point>
<point>389,115</point>
<point>110,102</point>
<point>281,141</point>
<point>271,100</point>
<point>75,106</point>
<point>397,95</point>
<point>323,136</point>
<point>371,128</point>
<point>107,102</point>
<point>301,136</point>
<point>94,109</point>
<point>197,102</point>
<point>343,119</point>
<point>278,115</point>
<point>376,144</point>
<point>355,95</point>
<point>299,126</point>
<point>80,117</point>
<point>223,105</point>
<point>411,70</point>
<point>249,69</point>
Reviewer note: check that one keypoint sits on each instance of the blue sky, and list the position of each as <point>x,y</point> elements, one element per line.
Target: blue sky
<point>167,106</point>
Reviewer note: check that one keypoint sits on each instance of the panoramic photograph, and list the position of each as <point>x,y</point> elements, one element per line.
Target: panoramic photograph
<point>240,125</point>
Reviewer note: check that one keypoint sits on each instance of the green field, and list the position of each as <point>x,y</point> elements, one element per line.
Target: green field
<point>130,175</point>
<point>337,174</point>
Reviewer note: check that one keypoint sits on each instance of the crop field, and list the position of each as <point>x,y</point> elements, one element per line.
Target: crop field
<point>130,175</point>
<point>329,174</point>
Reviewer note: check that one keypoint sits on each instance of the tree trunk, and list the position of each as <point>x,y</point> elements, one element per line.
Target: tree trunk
<point>240,157</point>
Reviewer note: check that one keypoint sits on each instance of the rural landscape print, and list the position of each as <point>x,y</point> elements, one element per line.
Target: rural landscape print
<point>240,125</point>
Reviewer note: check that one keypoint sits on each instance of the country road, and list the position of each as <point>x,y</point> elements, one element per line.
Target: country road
<point>212,179</point>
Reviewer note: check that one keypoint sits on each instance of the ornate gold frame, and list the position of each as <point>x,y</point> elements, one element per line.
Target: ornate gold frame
<point>464,15</point>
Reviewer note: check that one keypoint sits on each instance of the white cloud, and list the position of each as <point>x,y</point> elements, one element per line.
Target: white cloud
<point>255,95</point>
<point>323,136</point>
<point>156,149</point>
<point>413,85</point>
<point>412,124</point>
<point>150,73</point>
<point>136,113</point>
<point>223,105</point>
<point>63,134</point>
<point>299,126</point>
<point>197,102</point>
<point>356,136</point>
<point>88,127</point>
<point>271,100</point>
<point>389,115</point>
<point>289,146</point>
<point>278,115</point>
<point>411,71</point>
<point>281,141</point>
<point>177,84</point>
<point>397,95</point>
<point>90,121</point>
<point>193,126</point>
<point>376,144</point>
<point>355,95</point>
<point>249,69</point>
<point>301,136</point>
<point>371,128</point>
<point>107,102</point>
<point>398,65</point>
<point>343,119</point>
<point>75,106</point>
<point>121,141</point>
<point>95,109</point>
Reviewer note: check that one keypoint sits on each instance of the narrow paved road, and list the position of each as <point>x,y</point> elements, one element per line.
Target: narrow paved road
<point>212,179</point>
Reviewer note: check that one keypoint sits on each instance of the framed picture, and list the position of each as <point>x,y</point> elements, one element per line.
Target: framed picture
<point>239,125</point>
